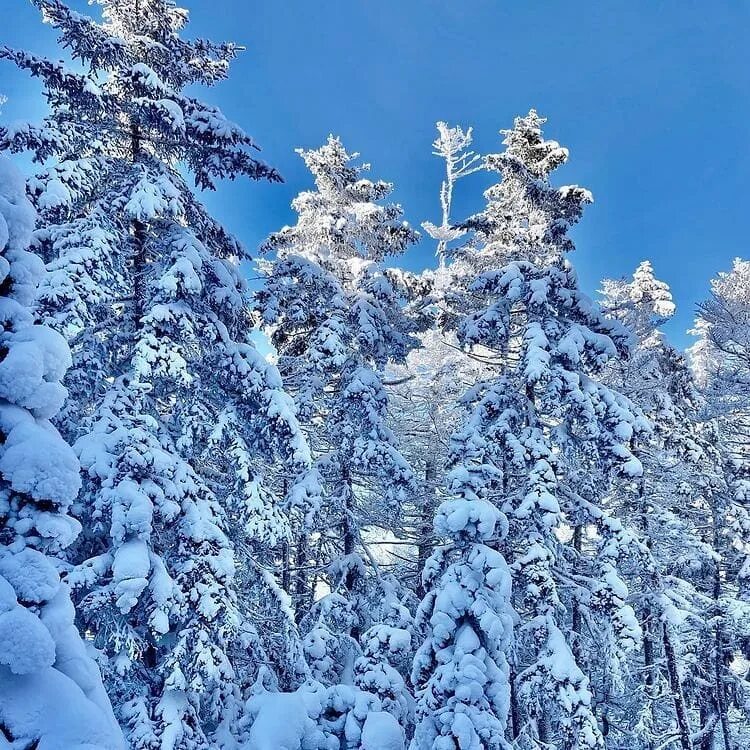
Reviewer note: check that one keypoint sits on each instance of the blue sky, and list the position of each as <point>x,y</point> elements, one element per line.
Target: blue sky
<point>650,96</point>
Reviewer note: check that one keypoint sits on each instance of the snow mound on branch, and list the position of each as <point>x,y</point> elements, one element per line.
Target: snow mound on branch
<point>281,721</point>
<point>382,732</point>
<point>32,576</point>
<point>315,717</point>
<point>27,646</point>
<point>36,462</point>
<point>472,518</point>
<point>49,706</point>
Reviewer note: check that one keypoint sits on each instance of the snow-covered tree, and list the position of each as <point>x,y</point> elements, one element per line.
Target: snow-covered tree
<point>537,420</point>
<point>51,693</point>
<point>426,389</point>
<point>335,316</point>
<point>174,413</point>
<point>721,362</point>
<point>426,411</point>
<point>461,670</point>
<point>664,508</point>
<point>242,547</point>
<point>642,304</point>
<point>387,650</point>
<point>453,146</point>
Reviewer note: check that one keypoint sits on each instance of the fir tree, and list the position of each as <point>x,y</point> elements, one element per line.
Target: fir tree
<point>541,410</point>
<point>335,316</point>
<point>461,670</point>
<point>43,660</point>
<point>174,413</point>
<point>664,507</point>
<point>721,362</point>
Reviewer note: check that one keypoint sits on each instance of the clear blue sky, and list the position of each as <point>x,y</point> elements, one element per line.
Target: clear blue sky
<point>651,97</point>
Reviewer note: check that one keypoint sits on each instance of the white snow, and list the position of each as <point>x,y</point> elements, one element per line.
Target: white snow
<point>381,732</point>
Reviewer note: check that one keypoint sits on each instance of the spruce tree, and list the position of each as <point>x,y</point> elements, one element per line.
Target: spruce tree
<point>461,670</point>
<point>335,316</point>
<point>51,693</point>
<point>175,415</point>
<point>664,508</point>
<point>721,362</point>
<point>537,419</point>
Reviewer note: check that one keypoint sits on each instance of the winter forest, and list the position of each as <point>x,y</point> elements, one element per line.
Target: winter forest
<point>347,506</point>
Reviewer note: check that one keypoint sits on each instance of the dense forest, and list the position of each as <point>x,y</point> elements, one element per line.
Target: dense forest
<point>351,506</point>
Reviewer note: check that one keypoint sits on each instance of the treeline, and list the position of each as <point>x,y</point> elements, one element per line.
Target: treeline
<point>464,509</point>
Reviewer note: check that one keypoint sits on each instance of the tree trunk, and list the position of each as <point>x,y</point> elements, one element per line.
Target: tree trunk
<point>720,692</point>
<point>542,728</point>
<point>576,605</point>
<point>301,593</point>
<point>683,723</point>
<point>424,540</point>
<point>650,635</point>
<point>515,708</point>
<point>349,534</point>
<point>300,579</point>
<point>285,563</point>
<point>286,582</point>
<point>139,241</point>
<point>719,646</point>
<point>649,666</point>
<point>707,716</point>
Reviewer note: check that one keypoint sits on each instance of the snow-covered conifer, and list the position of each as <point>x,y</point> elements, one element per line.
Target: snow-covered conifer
<point>51,693</point>
<point>335,315</point>
<point>721,362</point>
<point>461,671</point>
<point>664,508</point>
<point>174,413</point>
<point>426,389</point>
<point>387,650</point>
<point>453,146</point>
<point>541,409</point>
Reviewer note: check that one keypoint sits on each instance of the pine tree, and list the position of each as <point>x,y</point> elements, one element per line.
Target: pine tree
<point>537,420</point>
<point>426,390</point>
<point>460,670</point>
<point>175,415</point>
<point>335,316</point>
<point>43,658</point>
<point>664,507</point>
<point>721,361</point>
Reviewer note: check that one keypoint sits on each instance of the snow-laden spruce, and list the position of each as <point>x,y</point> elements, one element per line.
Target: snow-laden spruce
<point>51,694</point>
<point>425,390</point>
<point>540,417</point>
<point>721,362</point>
<point>335,315</point>
<point>687,578</point>
<point>461,670</point>
<point>174,413</point>
<point>664,508</point>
